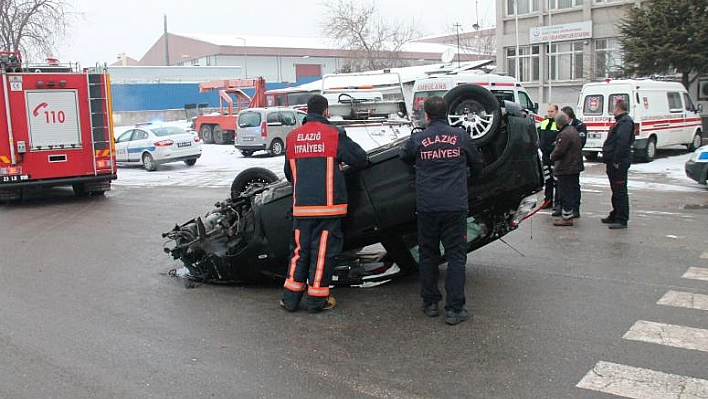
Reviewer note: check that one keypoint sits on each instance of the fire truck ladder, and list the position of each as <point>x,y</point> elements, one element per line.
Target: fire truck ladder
<point>100,112</point>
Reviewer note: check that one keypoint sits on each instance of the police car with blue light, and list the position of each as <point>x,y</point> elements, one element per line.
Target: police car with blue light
<point>697,165</point>
<point>154,145</point>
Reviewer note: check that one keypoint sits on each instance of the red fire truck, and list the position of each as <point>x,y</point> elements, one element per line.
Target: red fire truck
<point>57,128</point>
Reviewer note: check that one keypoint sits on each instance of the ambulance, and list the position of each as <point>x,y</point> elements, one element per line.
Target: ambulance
<point>503,87</point>
<point>663,113</point>
<point>56,128</point>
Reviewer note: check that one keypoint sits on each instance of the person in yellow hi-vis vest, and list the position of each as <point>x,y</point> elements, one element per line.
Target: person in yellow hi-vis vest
<point>547,134</point>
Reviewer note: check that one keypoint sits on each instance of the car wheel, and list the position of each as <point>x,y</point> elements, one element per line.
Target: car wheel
<point>80,189</point>
<point>650,150</point>
<point>277,147</point>
<point>149,163</point>
<point>696,142</point>
<point>251,178</point>
<point>218,134</point>
<point>475,109</point>
<point>190,162</point>
<point>591,155</point>
<point>246,154</point>
<point>205,134</point>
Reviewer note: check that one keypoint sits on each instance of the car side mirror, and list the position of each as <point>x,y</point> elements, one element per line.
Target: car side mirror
<point>535,108</point>
<point>699,108</point>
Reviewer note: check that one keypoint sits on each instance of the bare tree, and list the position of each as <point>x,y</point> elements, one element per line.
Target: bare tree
<point>33,26</point>
<point>377,43</point>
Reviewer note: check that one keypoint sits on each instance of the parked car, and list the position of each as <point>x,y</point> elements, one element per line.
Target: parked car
<point>265,129</point>
<point>697,166</point>
<point>154,145</point>
<point>664,115</point>
<point>246,237</point>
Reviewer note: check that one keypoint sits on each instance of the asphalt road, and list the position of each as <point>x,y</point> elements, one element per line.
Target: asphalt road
<point>87,310</point>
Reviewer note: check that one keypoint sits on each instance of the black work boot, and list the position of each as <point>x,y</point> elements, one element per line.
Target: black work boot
<point>456,316</point>
<point>608,220</point>
<point>431,309</point>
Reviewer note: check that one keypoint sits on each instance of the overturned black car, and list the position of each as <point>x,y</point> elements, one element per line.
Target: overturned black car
<point>246,237</point>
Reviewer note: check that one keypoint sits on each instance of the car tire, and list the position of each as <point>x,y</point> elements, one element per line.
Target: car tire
<point>476,109</point>
<point>149,163</point>
<point>591,155</point>
<point>696,142</point>
<point>650,150</point>
<point>277,147</point>
<point>250,177</point>
<point>246,153</point>
<point>218,134</point>
<point>205,134</point>
<point>190,162</point>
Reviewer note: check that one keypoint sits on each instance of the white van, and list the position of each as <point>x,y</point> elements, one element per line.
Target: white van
<point>663,113</point>
<point>503,87</point>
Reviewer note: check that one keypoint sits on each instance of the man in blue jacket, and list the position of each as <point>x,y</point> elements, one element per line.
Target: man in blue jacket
<point>617,154</point>
<point>314,153</point>
<point>442,155</point>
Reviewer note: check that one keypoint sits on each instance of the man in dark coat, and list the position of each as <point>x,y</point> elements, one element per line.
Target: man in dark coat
<point>314,153</point>
<point>583,132</point>
<point>547,133</point>
<point>568,158</point>
<point>442,156</point>
<point>617,154</point>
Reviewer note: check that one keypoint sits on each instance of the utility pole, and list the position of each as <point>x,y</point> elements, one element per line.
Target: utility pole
<point>167,45</point>
<point>457,28</point>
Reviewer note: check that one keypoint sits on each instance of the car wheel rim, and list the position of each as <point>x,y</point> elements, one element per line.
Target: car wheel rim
<point>147,161</point>
<point>277,148</point>
<point>697,141</point>
<point>472,116</point>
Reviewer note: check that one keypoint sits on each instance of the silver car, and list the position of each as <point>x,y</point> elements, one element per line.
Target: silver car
<point>265,129</point>
<point>156,145</point>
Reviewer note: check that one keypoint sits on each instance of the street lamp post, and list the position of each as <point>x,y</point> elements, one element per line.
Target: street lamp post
<point>245,56</point>
<point>517,58</point>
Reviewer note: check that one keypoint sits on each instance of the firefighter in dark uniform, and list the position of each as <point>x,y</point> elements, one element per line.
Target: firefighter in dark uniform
<point>617,154</point>
<point>442,155</point>
<point>315,154</point>
<point>547,134</point>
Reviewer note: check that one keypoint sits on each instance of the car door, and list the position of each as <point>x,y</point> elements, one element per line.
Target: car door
<point>674,133</point>
<point>122,143</point>
<point>138,144</point>
<point>275,127</point>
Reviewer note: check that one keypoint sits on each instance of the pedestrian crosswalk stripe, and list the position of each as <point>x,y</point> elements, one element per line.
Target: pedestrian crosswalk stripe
<point>697,273</point>
<point>669,335</point>
<point>684,300</point>
<point>634,382</point>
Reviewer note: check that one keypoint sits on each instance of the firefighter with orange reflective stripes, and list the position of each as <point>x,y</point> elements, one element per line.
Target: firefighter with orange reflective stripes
<point>314,155</point>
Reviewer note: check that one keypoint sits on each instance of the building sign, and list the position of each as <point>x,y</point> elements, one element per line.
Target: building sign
<point>559,33</point>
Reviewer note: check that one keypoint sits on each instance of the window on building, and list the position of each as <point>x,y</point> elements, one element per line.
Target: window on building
<point>524,6</point>
<point>608,58</point>
<point>566,60</point>
<point>563,4</point>
<point>529,63</point>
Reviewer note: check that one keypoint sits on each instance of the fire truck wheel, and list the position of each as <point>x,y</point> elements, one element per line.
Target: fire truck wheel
<point>80,190</point>
<point>218,134</point>
<point>149,163</point>
<point>190,162</point>
<point>205,134</point>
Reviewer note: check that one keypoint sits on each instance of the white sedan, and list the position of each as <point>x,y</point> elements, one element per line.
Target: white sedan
<point>156,145</point>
